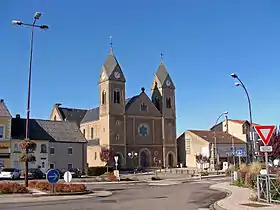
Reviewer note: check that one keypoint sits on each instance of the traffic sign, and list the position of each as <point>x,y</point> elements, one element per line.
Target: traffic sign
<point>239,152</point>
<point>67,176</point>
<point>266,148</point>
<point>53,176</point>
<point>155,160</point>
<point>265,132</point>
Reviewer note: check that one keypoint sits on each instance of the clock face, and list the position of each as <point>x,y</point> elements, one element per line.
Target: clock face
<point>103,75</point>
<point>117,74</point>
<point>168,83</point>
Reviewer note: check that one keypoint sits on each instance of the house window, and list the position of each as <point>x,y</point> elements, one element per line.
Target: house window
<point>70,150</point>
<point>52,150</point>
<point>84,132</point>
<point>143,107</point>
<point>43,148</point>
<point>52,165</point>
<point>95,155</point>
<point>168,102</point>
<point>103,99</point>
<point>17,148</point>
<point>117,97</point>
<point>188,146</point>
<point>54,118</point>
<point>117,137</point>
<point>91,132</point>
<point>244,128</point>
<point>70,166</point>
<point>1,132</point>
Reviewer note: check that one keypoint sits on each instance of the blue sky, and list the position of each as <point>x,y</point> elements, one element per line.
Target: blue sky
<point>203,43</point>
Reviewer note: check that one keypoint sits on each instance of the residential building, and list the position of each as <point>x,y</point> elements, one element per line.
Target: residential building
<point>135,124</point>
<point>60,144</point>
<point>237,128</point>
<point>5,134</point>
<point>195,142</point>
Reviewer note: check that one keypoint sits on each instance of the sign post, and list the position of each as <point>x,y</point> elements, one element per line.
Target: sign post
<point>265,132</point>
<point>53,177</point>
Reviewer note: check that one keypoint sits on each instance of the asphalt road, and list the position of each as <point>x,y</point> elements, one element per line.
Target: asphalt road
<point>187,196</point>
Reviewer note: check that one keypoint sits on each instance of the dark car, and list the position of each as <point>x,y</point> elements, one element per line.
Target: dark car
<point>35,173</point>
<point>75,172</point>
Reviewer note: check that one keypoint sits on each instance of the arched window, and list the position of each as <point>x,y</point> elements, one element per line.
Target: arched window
<point>103,99</point>
<point>168,102</point>
<point>143,107</point>
<point>117,97</point>
<point>157,103</point>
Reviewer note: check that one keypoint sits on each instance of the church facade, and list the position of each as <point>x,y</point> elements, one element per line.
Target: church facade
<point>140,130</point>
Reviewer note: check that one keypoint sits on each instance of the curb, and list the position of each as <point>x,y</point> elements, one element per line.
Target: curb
<point>116,182</point>
<point>62,194</point>
<point>229,193</point>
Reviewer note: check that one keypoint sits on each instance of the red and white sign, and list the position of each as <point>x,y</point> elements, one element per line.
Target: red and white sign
<point>265,132</point>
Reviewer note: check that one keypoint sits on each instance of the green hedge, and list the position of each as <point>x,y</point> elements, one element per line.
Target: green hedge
<point>97,171</point>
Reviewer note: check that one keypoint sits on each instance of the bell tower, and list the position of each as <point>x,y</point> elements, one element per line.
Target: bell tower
<point>163,97</point>
<point>112,101</point>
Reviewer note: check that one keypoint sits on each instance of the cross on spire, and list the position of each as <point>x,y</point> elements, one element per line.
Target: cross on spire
<point>111,42</point>
<point>161,56</point>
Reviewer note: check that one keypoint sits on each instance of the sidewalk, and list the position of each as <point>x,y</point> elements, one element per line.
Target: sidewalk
<point>238,199</point>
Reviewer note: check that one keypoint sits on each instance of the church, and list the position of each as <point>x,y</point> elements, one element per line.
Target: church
<point>140,130</point>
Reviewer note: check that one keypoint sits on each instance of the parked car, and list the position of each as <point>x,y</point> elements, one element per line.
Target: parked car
<point>10,173</point>
<point>35,173</point>
<point>75,172</point>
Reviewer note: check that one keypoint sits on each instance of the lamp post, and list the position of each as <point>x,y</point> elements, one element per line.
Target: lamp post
<point>36,17</point>
<point>133,155</point>
<point>215,141</point>
<point>252,141</point>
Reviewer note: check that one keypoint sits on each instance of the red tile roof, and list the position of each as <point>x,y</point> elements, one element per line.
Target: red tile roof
<point>221,137</point>
<point>242,122</point>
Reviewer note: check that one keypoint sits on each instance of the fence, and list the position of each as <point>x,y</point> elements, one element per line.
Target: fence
<point>268,187</point>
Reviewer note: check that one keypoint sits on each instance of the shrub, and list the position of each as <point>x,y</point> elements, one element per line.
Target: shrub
<point>204,173</point>
<point>12,187</point>
<point>243,168</point>
<point>255,167</point>
<point>111,177</point>
<point>97,171</point>
<point>58,187</point>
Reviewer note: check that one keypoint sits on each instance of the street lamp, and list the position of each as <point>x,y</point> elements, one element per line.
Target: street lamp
<point>215,140</point>
<point>252,141</point>
<point>133,155</point>
<point>36,17</point>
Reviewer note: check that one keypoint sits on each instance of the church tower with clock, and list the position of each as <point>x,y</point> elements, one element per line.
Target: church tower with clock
<point>112,103</point>
<point>163,97</point>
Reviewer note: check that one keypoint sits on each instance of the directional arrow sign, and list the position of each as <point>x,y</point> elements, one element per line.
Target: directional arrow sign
<point>53,176</point>
<point>265,132</point>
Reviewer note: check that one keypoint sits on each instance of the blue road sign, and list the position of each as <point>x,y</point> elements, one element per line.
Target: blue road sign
<point>53,176</point>
<point>239,152</point>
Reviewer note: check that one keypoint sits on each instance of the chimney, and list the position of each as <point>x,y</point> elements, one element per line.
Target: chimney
<point>1,100</point>
<point>58,104</point>
<point>17,116</point>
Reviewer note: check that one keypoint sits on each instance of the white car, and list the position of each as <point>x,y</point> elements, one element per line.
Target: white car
<point>10,173</point>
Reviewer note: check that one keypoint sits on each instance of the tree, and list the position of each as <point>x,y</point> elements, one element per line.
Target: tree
<point>201,159</point>
<point>275,143</point>
<point>28,147</point>
<point>107,155</point>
